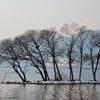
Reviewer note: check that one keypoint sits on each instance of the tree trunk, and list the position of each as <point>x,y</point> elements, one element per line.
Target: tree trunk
<point>55,73</point>
<point>71,72</point>
<point>44,67</point>
<point>70,67</point>
<point>19,75</point>
<point>92,61</point>
<point>94,76</point>
<point>58,71</point>
<point>40,72</point>
<point>80,73</point>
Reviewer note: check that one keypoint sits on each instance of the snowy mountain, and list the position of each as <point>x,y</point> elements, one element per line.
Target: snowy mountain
<point>63,61</point>
<point>86,45</point>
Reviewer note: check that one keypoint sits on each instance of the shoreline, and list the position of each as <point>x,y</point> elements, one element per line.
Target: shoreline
<point>53,82</point>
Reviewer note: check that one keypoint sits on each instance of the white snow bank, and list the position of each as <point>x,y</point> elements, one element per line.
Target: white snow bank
<point>53,82</point>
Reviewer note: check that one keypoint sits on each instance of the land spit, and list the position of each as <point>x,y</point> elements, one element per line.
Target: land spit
<point>53,82</point>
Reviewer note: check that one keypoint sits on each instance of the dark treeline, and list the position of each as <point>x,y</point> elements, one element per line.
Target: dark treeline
<point>37,48</point>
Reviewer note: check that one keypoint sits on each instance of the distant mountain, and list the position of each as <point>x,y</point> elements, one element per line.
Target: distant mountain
<point>87,35</point>
<point>63,60</point>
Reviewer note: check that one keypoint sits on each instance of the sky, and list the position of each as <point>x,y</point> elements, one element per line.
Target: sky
<point>17,16</point>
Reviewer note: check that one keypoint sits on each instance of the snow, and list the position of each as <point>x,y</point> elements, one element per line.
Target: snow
<point>53,82</point>
<point>67,82</point>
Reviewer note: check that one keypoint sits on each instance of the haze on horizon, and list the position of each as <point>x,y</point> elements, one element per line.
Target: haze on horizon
<point>17,16</point>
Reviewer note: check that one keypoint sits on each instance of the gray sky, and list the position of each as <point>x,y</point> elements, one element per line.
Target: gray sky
<point>16,16</point>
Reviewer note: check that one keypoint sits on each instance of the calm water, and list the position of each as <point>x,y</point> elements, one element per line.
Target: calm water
<point>49,92</point>
<point>32,75</point>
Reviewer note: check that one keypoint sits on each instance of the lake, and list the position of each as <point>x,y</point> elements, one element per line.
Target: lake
<point>49,92</point>
<point>32,75</point>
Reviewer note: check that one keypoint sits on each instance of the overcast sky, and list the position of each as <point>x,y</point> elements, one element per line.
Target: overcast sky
<point>17,16</point>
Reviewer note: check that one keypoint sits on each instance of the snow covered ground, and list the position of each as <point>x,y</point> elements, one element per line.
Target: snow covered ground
<point>54,82</point>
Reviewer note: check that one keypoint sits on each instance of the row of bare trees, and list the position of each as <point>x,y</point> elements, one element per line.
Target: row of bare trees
<point>37,48</point>
<point>83,46</point>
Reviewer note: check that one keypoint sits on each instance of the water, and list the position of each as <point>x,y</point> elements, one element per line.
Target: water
<point>32,75</point>
<point>49,92</point>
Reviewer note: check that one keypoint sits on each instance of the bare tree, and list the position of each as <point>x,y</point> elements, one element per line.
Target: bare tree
<point>80,43</point>
<point>94,56</point>
<point>70,31</point>
<point>8,53</point>
<point>52,47</point>
<point>31,49</point>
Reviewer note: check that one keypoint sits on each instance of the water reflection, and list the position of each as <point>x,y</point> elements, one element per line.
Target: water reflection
<point>49,92</point>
